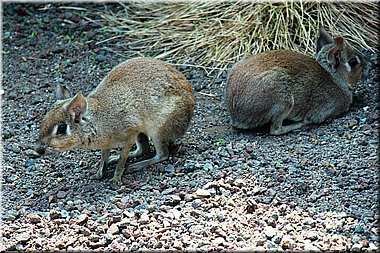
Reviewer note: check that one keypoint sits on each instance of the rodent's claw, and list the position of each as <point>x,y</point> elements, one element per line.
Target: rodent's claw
<point>116,179</point>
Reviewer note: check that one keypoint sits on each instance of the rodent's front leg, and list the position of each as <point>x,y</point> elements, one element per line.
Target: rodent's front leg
<point>120,167</point>
<point>103,164</point>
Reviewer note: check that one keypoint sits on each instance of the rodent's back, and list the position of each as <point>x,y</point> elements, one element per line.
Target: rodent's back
<point>145,72</point>
<point>143,75</point>
<point>142,83</point>
<point>304,75</point>
<point>143,93</point>
<point>295,64</point>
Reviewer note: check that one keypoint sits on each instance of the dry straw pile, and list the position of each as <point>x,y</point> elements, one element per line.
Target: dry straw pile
<point>214,35</point>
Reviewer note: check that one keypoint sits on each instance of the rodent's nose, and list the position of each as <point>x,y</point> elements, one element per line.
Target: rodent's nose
<point>40,149</point>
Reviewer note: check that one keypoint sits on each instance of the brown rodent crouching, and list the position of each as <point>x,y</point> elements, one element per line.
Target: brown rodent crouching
<point>283,85</point>
<point>138,100</point>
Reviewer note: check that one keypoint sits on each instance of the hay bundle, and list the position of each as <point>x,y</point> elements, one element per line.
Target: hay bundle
<point>214,35</point>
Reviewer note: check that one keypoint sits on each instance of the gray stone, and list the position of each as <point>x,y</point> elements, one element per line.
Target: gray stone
<point>359,229</point>
<point>64,214</point>
<point>31,153</point>
<point>170,169</point>
<point>277,239</point>
<point>29,163</point>
<point>61,194</point>
<point>135,246</point>
<point>196,203</point>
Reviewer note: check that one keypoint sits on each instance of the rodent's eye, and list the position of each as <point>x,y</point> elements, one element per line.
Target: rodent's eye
<point>353,62</point>
<point>61,128</point>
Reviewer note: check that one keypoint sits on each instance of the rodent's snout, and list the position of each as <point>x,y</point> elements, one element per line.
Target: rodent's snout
<point>40,148</point>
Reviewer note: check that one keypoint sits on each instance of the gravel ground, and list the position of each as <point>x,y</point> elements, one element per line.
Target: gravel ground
<point>312,189</point>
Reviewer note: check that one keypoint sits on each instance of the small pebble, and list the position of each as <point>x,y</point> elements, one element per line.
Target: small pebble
<point>31,153</point>
<point>170,169</point>
<point>277,239</point>
<point>113,229</point>
<point>270,232</point>
<point>23,237</point>
<point>135,246</point>
<point>29,163</point>
<point>64,214</point>
<point>15,148</point>
<point>81,219</point>
<point>356,247</point>
<point>202,193</point>
<point>12,178</point>
<point>34,218</point>
<point>218,241</point>
<point>196,203</point>
<point>54,214</point>
<point>61,194</point>
<point>312,235</point>
<point>359,229</point>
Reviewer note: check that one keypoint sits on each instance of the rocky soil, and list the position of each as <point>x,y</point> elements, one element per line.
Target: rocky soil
<point>221,189</point>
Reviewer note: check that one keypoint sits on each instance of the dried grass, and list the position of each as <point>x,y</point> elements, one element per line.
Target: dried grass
<point>214,35</point>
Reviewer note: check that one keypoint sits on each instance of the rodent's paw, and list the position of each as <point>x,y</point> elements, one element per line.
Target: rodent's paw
<point>115,179</point>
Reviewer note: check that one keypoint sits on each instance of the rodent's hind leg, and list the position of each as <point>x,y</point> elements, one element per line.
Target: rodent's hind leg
<point>288,128</point>
<point>142,146</point>
<point>162,153</point>
<point>113,159</point>
<point>280,111</point>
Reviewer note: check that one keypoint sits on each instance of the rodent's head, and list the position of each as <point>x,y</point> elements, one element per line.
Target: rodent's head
<point>60,128</point>
<point>340,59</point>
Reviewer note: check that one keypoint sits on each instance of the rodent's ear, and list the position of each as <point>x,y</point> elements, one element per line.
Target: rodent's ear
<point>62,92</point>
<point>77,107</point>
<point>335,53</point>
<point>324,39</point>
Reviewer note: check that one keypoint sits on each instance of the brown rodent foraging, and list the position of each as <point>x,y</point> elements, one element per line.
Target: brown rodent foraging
<point>283,85</point>
<point>139,99</point>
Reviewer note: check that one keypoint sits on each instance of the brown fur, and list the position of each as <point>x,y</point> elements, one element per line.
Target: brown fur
<point>140,97</point>
<point>280,84</point>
